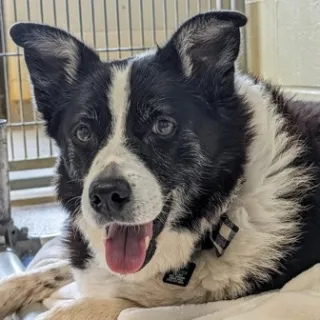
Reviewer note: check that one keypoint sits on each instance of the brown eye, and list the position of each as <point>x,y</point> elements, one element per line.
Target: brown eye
<point>164,127</point>
<point>83,134</point>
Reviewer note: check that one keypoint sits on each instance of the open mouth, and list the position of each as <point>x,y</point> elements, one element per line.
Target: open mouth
<point>129,248</point>
<point>126,247</point>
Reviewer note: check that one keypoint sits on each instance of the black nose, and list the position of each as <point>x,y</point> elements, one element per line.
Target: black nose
<point>109,196</point>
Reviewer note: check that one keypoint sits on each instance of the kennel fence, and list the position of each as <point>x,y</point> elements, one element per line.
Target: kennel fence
<point>114,28</point>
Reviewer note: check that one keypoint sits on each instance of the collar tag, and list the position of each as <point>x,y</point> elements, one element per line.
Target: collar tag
<point>180,277</point>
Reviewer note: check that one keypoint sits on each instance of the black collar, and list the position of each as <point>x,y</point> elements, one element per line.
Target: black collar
<point>220,237</point>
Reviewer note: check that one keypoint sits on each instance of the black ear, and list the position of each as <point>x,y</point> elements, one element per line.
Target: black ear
<point>208,42</point>
<point>55,60</point>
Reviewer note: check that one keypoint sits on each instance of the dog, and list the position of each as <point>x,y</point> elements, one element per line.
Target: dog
<point>185,180</point>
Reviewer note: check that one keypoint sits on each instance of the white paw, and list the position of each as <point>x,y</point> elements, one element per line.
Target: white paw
<point>58,314</point>
<point>9,292</point>
<point>78,310</point>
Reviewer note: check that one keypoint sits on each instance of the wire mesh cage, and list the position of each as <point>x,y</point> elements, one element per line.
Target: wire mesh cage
<point>114,28</point>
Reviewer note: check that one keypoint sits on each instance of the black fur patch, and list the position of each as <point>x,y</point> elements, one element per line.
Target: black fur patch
<point>79,252</point>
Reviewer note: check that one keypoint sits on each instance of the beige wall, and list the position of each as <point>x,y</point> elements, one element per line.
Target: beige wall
<point>285,43</point>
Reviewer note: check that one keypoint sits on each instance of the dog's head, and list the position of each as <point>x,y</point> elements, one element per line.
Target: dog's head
<point>151,146</point>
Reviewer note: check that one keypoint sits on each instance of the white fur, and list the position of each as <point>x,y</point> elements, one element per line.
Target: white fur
<point>144,54</point>
<point>147,197</point>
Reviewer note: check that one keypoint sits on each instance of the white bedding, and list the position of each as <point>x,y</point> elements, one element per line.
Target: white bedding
<point>298,300</point>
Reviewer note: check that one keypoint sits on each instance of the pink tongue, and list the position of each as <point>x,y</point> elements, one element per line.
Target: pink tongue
<point>125,247</point>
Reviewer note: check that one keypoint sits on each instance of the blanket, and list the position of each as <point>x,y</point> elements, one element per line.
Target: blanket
<point>297,300</point>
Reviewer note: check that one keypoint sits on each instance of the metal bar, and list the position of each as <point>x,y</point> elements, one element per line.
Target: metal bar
<point>21,104</point>
<point>10,54</point>
<point>26,124</point>
<point>30,164</point>
<point>3,102</point>
<point>67,14</point>
<point>153,18</point>
<point>49,140</point>
<point>233,4</point>
<point>188,8</point>
<point>41,10</point>
<point>37,127</point>
<point>124,49</point>
<point>106,33</point>
<point>241,6</point>
<point>118,26</point>
<point>165,18</point>
<point>54,7</point>
<point>141,23</point>
<point>34,109</point>
<point>130,26</point>
<point>80,19</point>
<point>5,210</point>
<point>93,24</point>
<point>5,70</point>
<point>176,11</point>
<point>198,6</point>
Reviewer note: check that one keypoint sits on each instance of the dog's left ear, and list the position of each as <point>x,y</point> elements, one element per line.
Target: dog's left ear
<point>207,42</point>
<point>57,63</point>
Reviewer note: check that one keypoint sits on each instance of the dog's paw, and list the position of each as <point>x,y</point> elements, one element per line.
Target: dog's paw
<point>87,309</point>
<point>64,313</point>
<point>20,290</point>
<point>10,291</point>
<point>56,314</point>
<point>70,314</point>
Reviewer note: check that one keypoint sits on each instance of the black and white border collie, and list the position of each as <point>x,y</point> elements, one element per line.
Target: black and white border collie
<point>185,181</point>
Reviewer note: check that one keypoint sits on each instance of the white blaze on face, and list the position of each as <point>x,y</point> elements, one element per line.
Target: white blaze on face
<point>146,191</point>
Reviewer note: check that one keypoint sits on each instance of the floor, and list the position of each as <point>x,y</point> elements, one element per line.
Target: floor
<point>41,220</point>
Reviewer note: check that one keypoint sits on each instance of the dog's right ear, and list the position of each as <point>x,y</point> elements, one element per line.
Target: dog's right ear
<point>55,60</point>
<point>206,47</point>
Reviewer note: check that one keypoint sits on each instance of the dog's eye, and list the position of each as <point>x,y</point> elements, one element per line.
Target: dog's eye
<point>164,127</point>
<point>83,134</point>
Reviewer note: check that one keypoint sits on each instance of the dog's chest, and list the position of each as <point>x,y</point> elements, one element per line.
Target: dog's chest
<point>99,283</point>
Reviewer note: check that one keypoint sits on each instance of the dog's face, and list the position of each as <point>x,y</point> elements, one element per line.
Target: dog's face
<point>147,143</point>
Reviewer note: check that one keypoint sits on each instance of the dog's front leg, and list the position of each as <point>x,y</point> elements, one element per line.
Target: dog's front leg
<point>88,309</point>
<point>20,290</point>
